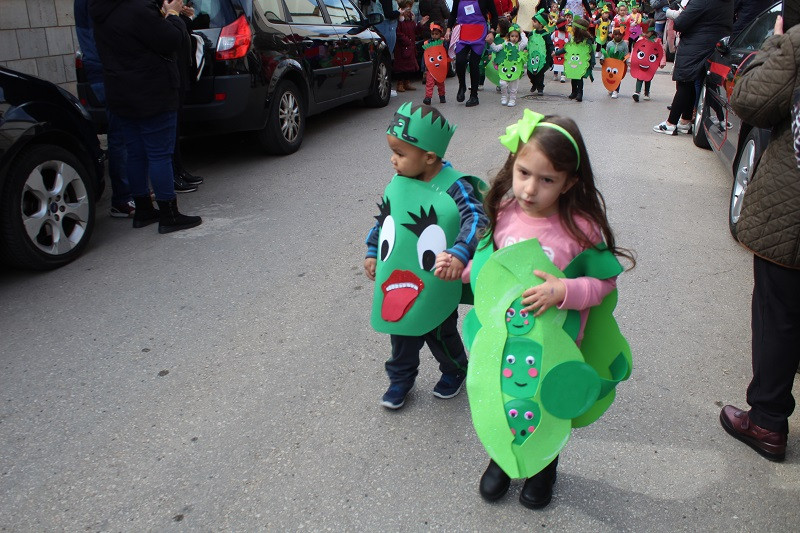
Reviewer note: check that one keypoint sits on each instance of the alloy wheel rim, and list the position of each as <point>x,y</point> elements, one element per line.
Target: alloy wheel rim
<point>741,180</point>
<point>55,207</point>
<point>289,117</point>
<point>383,81</point>
<point>698,119</point>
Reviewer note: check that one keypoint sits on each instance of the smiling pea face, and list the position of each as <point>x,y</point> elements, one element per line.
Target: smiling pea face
<point>521,367</point>
<point>518,320</point>
<point>523,416</point>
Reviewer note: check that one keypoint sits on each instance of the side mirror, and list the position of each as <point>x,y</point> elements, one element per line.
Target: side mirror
<point>373,19</point>
<point>723,45</point>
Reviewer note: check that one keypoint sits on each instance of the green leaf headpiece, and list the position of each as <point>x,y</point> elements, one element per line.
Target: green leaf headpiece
<point>421,131</point>
<point>523,129</point>
<point>431,44</point>
<point>541,16</point>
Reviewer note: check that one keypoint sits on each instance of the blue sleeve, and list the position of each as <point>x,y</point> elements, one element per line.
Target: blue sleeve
<point>473,219</point>
<point>372,241</point>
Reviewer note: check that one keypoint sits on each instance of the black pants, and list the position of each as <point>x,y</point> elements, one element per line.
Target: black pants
<point>682,102</point>
<point>776,344</point>
<point>537,80</point>
<point>445,345</point>
<point>464,56</point>
<point>577,86</point>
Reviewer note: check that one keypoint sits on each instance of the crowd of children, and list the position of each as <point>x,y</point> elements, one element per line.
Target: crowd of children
<point>559,41</point>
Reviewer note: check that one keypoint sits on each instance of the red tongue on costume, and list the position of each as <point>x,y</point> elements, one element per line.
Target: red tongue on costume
<point>400,292</point>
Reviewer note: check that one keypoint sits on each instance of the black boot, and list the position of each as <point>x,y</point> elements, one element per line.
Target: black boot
<point>579,97</point>
<point>473,100</point>
<point>538,490</point>
<point>462,91</point>
<point>145,213</point>
<point>494,482</point>
<point>181,185</point>
<point>171,220</point>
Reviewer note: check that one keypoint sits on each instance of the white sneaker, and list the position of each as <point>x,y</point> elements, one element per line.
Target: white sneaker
<point>512,103</point>
<point>684,128</point>
<point>614,94</point>
<point>504,101</point>
<point>646,96</point>
<point>480,87</point>
<point>392,93</point>
<point>563,79</point>
<point>665,129</point>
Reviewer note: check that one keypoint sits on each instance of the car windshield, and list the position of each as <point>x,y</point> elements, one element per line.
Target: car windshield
<point>754,36</point>
<point>221,12</point>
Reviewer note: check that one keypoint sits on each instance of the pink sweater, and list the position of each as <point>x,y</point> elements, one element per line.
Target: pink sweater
<point>514,226</point>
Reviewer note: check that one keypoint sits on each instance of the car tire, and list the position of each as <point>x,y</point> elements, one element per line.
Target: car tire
<point>381,85</point>
<point>699,136</point>
<point>48,206</point>
<point>286,122</point>
<point>743,171</point>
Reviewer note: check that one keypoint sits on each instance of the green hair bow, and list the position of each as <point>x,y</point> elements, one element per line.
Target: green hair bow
<point>523,129</point>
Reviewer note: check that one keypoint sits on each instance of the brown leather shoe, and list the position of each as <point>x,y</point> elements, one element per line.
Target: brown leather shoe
<point>736,422</point>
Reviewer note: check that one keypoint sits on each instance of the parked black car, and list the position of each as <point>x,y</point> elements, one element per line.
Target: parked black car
<point>271,63</point>
<point>51,171</point>
<point>716,125</point>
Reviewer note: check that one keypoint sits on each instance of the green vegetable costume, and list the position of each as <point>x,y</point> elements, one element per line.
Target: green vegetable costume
<point>508,64</point>
<point>537,53</point>
<point>577,60</point>
<point>417,220</point>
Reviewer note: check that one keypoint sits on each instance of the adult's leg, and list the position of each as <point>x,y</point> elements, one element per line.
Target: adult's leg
<point>136,157</point>
<point>117,157</point>
<point>158,137</point>
<point>462,57</point>
<point>474,72</point>
<point>683,100</point>
<point>403,365</point>
<point>776,344</point>
<point>446,346</point>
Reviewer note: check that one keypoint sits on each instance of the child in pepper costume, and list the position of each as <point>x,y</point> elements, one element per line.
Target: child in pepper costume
<point>647,53</point>
<point>429,211</point>
<point>536,72</point>
<point>554,221</point>
<point>513,43</point>
<point>436,59</point>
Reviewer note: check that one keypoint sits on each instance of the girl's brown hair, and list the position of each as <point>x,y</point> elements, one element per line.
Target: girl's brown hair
<point>579,34</point>
<point>581,200</point>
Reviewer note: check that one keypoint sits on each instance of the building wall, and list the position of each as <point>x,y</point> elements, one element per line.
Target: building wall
<point>38,37</point>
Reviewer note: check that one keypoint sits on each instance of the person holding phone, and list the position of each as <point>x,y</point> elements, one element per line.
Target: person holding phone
<point>767,95</point>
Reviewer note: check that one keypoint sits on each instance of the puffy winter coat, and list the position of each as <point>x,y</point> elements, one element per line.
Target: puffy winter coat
<point>138,48</point>
<point>701,25</point>
<point>770,219</point>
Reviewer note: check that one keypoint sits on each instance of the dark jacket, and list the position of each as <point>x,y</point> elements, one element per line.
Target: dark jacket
<point>405,51</point>
<point>745,12</point>
<point>138,48</point>
<point>770,221</point>
<point>487,10</point>
<point>436,10</point>
<point>701,25</point>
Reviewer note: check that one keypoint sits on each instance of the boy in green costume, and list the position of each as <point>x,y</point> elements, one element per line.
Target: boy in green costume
<point>428,211</point>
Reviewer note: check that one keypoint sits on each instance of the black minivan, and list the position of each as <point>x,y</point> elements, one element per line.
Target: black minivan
<point>268,64</point>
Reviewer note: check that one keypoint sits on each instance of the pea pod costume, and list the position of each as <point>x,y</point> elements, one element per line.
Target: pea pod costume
<point>537,53</point>
<point>417,221</point>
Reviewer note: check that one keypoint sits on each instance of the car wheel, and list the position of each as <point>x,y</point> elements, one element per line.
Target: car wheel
<point>743,173</point>
<point>48,208</point>
<point>698,132</point>
<point>381,85</point>
<point>286,123</point>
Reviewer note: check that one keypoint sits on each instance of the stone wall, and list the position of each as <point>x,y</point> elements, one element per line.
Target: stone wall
<point>38,37</point>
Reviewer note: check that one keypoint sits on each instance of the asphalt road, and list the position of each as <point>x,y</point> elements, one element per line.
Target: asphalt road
<point>227,378</point>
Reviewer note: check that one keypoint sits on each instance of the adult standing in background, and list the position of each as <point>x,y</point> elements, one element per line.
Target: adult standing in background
<point>436,11</point>
<point>472,16</point>
<point>745,12</point>
<point>660,16</point>
<point>701,24</point>
<point>767,95</point>
<point>138,44</point>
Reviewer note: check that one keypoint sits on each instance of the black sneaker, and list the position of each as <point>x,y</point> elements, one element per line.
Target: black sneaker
<point>635,97</point>
<point>395,395</point>
<point>449,385</point>
<point>182,185</point>
<point>541,92</point>
<point>426,101</point>
<point>189,178</point>
<point>442,99</point>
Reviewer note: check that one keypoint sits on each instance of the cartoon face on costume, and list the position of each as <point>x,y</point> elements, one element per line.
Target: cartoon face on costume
<point>521,367</point>
<point>435,58</point>
<point>559,40</point>
<point>645,58</point>
<point>518,320</point>
<point>612,72</point>
<point>635,31</point>
<point>510,62</point>
<point>576,59</point>
<point>601,31</point>
<point>537,51</point>
<point>523,416</point>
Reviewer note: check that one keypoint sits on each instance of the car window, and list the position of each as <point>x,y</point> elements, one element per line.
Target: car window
<point>271,9</point>
<point>305,11</point>
<point>338,13</point>
<point>220,12</point>
<point>352,12</point>
<point>754,36</point>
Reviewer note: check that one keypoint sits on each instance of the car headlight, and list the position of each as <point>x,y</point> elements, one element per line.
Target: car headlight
<point>74,101</point>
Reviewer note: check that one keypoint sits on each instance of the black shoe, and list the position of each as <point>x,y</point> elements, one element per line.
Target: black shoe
<point>541,92</point>
<point>182,185</point>
<point>533,88</point>
<point>172,220</point>
<point>635,97</point>
<point>426,101</point>
<point>191,179</point>
<point>145,214</point>
<point>579,98</point>
<point>472,102</point>
<point>572,96</point>
<point>462,91</point>
<point>538,490</point>
<point>442,99</point>
<point>494,482</point>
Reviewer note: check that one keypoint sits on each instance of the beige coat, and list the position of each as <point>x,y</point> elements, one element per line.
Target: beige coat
<point>770,220</point>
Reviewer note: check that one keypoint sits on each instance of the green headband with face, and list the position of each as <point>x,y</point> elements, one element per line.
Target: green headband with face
<point>421,131</point>
<point>523,129</point>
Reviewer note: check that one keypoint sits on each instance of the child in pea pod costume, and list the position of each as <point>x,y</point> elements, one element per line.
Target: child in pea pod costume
<point>428,211</point>
<point>545,350</point>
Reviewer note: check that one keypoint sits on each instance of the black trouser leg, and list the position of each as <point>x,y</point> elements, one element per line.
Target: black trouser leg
<point>474,73</point>
<point>461,66</point>
<point>446,346</point>
<point>682,102</point>
<point>402,367</point>
<point>776,344</point>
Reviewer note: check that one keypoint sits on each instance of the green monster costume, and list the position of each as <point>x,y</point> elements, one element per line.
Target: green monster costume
<point>528,381</point>
<point>577,58</point>
<point>417,221</point>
